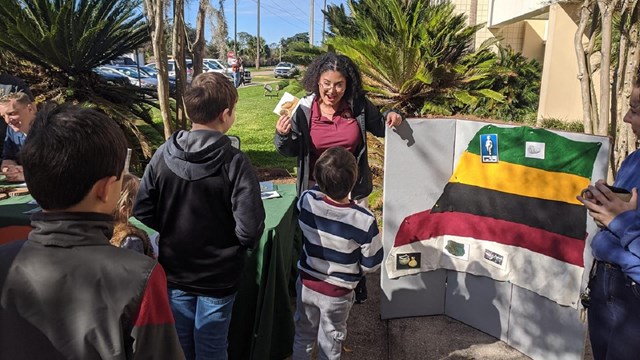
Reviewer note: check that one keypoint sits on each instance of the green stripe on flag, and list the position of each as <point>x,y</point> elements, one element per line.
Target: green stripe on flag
<point>561,154</point>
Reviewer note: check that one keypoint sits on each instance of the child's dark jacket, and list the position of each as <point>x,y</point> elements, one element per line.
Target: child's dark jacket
<point>202,195</point>
<point>66,293</point>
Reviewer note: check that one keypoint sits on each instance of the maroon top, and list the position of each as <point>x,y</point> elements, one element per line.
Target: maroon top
<point>341,130</point>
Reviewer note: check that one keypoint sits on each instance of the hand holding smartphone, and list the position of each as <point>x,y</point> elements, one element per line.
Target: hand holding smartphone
<point>622,194</point>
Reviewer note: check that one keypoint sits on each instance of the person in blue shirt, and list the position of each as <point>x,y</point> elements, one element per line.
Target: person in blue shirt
<point>19,112</point>
<point>10,84</point>
<point>614,289</point>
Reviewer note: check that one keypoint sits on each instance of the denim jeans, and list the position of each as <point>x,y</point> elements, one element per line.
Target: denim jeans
<point>236,79</point>
<point>614,315</point>
<point>202,324</point>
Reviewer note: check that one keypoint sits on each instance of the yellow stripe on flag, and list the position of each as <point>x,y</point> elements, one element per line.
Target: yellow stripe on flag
<point>518,179</point>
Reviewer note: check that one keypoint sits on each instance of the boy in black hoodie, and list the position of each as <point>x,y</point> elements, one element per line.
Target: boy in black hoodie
<point>203,197</point>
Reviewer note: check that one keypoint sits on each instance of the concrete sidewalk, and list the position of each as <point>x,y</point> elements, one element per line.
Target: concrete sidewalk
<point>419,338</point>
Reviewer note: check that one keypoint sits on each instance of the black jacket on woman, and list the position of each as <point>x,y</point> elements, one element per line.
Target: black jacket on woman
<point>298,142</point>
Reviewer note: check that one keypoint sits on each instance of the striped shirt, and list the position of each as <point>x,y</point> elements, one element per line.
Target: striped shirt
<point>341,242</point>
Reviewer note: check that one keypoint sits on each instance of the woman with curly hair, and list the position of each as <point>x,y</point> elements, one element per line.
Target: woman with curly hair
<point>336,113</point>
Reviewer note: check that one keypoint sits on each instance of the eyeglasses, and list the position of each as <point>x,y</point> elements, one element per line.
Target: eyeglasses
<point>339,87</point>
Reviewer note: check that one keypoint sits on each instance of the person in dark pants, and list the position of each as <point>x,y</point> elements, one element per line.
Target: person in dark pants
<point>614,307</point>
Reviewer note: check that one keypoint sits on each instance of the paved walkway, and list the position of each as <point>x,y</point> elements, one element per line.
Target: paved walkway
<point>419,338</point>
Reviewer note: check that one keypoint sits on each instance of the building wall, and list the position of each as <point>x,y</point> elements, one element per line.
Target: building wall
<point>533,42</point>
<point>521,24</point>
<point>560,89</point>
<point>507,11</point>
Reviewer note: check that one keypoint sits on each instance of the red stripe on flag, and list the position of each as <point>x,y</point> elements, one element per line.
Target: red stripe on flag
<point>425,225</point>
<point>154,308</point>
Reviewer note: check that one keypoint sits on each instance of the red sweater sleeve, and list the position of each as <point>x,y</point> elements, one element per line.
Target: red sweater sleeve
<point>154,330</point>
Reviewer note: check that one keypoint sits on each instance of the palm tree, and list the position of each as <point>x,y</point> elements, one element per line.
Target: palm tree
<point>415,55</point>
<point>517,79</point>
<point>55,44</point>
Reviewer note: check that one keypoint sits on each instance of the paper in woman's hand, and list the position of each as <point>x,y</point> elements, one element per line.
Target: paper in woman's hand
<point>287,105</point>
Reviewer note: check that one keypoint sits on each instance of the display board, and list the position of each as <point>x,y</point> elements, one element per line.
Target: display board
<point>477,215</point>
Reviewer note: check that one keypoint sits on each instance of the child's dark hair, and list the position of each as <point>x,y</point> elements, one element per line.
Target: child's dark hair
<point>340,63</point>
<point>68,150</point>
<point>208,96</point>
<point>336,172</point>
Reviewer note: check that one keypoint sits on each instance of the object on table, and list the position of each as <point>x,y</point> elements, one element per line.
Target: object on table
<point>19,191</point>
<point>266,186</point>
<point>269,195</point>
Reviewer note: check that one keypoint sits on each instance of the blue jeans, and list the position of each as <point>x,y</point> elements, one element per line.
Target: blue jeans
<point>614,315</point>
<point>236,79</point>
<point>202,324</point>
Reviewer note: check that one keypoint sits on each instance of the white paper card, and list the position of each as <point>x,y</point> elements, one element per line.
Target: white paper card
<point>534,150</point>
<point>287,105</point>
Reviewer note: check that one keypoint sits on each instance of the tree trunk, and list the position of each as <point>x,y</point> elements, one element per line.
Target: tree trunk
<point>622,85</point>
<point>180,63</point>
<point>154,10</point>
<point>593,31</point>
<point>606,10</point>
<point>633,61</point>
<point>198,45</point>
<point>583,70</point>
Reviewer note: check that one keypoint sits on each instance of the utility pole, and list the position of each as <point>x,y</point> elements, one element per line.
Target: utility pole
<point>311,24</point>
<point>324,18</point>
<point>235,29</point>
<point>258,40</point>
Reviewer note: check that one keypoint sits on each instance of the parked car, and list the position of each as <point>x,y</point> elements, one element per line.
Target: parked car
<point>285,70</point>
<point>171,68</point>
<point>212,66</point>
<point>108,69</point>
<point>141,78</point>
<point>111,77</point>
<point>154,73</point>
<point>219,63</point>
<point>122,61</point>
<point>246,77</point>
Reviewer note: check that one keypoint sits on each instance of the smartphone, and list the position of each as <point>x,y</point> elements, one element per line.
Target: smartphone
<point>618,190</point>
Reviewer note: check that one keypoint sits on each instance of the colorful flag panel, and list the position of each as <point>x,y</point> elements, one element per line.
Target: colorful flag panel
<point>509,212</point>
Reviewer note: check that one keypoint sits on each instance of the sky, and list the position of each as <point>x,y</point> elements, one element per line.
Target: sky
<point>278,18</point>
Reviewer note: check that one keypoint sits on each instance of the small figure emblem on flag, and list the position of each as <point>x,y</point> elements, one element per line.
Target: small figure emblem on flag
<point>489,148</point>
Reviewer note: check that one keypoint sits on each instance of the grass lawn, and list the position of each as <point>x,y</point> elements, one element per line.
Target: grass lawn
<point>255,126</point>
<point>263,78</point>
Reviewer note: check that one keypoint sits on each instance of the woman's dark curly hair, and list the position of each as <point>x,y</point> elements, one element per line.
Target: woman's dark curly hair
<point>335,62</point>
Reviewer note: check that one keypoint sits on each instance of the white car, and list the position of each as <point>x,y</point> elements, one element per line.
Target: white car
<point>285,70</point>
<point>211,66</point>
<point>219,63</point>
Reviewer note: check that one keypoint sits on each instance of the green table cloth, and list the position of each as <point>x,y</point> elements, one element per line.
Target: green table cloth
<point>262,320</point>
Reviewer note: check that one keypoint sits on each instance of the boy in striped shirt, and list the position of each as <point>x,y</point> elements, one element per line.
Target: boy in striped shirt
<point>340,244</point>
